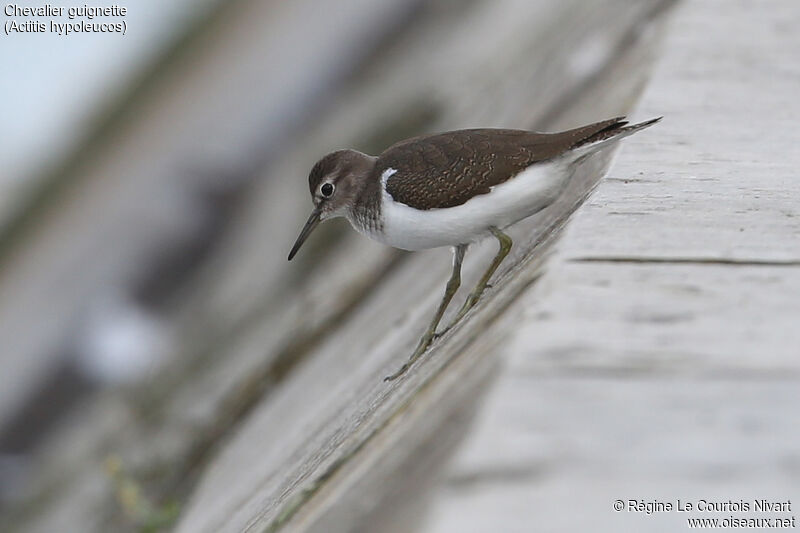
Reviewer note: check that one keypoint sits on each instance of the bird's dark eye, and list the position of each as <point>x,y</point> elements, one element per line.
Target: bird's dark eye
<point>326,190</point>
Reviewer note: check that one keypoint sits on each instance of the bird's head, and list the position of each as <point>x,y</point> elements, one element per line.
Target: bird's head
<point>334,182</point>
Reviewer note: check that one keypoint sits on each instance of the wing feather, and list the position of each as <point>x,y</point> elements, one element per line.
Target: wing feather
<point>447,169</point>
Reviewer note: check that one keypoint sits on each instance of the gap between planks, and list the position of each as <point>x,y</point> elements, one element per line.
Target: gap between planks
<point>723,261</point>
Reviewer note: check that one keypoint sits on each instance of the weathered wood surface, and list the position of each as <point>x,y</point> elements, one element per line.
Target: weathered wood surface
<point>659,356</point>
<point>333,448</point>
<point>277,396</point>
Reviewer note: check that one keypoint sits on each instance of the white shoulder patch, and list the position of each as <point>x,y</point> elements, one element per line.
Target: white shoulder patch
<point>388,173</point>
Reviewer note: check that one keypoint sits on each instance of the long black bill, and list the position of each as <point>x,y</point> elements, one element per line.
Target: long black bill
<point>311,223</point>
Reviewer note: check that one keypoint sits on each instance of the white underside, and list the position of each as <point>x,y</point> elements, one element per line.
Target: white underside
<point>520,197</point>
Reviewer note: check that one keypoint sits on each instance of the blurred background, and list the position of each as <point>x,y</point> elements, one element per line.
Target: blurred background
<point>153,182</point>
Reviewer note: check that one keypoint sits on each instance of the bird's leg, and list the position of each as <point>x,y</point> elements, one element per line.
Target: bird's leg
<point>505,247</point>
<point>452,286</point>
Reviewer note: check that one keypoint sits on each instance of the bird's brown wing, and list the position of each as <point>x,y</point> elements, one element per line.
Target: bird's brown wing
<point>447,169</point>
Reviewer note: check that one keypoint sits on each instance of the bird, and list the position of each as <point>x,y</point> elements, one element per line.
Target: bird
<point>453,189</point>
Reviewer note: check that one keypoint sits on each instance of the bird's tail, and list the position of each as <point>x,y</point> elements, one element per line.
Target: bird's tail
<point>611,134</point>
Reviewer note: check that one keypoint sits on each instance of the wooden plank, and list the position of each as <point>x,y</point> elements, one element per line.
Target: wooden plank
<point>658,357</point>
<point>321,434</point>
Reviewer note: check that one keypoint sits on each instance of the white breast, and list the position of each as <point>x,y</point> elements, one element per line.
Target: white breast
<point>523,195</point>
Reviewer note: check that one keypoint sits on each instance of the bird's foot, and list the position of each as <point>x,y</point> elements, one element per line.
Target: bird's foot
<point>469,303</point>
<point>423,345</point>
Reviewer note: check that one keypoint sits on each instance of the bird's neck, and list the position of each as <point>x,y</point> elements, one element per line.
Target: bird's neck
<point>364,212</point>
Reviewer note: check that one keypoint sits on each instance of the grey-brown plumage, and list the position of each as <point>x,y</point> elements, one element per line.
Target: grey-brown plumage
<point>447,169</point>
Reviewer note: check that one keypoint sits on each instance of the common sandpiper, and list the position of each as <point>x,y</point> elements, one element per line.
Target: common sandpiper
<point>452,189</point>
